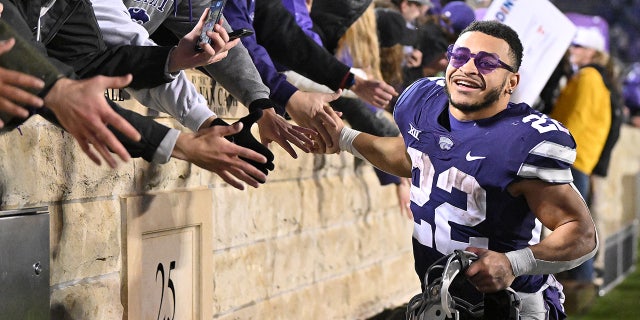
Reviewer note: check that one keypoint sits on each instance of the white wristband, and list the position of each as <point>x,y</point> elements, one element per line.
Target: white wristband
<point>347,135</point>
<point>523,262</point>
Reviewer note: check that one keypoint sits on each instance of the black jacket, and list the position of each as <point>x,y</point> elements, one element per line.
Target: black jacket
<point>70,32</point>
<point>617,118</point>
<point>286,43</point>
<point>332,18</point>
<point>72,45</point>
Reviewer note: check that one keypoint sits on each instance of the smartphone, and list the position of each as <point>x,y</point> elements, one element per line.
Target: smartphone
<point>242,32</point>
<point>215,13</point>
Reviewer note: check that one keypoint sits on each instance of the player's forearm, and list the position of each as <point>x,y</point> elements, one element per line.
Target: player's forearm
<point>567,247</point>
<point>573,239</point>
<point>385,153</point>
<point>568,242</point>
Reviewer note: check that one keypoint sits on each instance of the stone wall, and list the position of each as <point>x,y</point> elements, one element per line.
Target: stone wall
<point>320,240</point>
<point>615,207</point>
<point>615,204</point>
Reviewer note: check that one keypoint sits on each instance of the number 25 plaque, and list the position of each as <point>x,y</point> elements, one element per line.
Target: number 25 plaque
<point>168,255</point>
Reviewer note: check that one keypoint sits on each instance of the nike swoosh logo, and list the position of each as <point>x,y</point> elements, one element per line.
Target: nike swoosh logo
<point>469,157</point>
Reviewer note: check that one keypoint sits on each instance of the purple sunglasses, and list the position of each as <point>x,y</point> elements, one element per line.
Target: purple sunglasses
<point>485,62</point>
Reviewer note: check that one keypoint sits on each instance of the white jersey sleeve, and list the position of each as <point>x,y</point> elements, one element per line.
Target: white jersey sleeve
<point>178,98</point>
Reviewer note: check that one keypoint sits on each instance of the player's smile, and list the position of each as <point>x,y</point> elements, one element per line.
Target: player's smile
<point>463,83</point>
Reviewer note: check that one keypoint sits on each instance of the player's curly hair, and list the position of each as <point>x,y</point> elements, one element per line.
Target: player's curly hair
<point>500,31</point>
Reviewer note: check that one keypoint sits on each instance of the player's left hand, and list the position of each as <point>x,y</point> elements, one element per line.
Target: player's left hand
<point>491,272</point>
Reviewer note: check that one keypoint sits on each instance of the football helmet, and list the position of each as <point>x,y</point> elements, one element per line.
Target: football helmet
<point>437,302</point>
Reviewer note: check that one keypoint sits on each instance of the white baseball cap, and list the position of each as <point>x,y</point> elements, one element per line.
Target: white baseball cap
<point>423,2</point>
<point>589,38</point>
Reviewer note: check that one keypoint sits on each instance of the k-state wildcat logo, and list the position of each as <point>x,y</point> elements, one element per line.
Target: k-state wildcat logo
<point>445,143</point>
<point>139,15</point>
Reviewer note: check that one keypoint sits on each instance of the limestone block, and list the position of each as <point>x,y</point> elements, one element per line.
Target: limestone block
<point>19,168</point>
<point>366,290</point>
<point>339,198</point>
<point>615,197</point>
<point>288,168</point>
<point>354,295</point>
<point>382,197</point>
<point>175,174</point>
<point>243,217</point>
<point>293,260</point>
<point>218,98</point>
<point>328,299</point>
<point>338,251</point>
<point>399,230</point>
<point>381,235</point>
<point>337,195</point>
<point>241,276</point>
<point>96,298</point>
<point>333,198</point>
<point>303,304</point>
<point>309,207</point>
<point>279,266</point>
<point>45,164</point>
<point>85,240</point>
<point>399,279</point>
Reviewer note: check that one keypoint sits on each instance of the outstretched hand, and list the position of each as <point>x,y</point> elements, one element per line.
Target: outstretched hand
<point>82,109</point>
<point>245,139</point>
<point>211,150</point>
<point>14,88</point>
<point>273,127</point>
<point>185,56</point>
<point>375,92</point>
<point>308,110</point>
<point>333,129</point>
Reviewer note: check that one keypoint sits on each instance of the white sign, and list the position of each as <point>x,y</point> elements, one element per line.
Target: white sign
<point>546,34</point>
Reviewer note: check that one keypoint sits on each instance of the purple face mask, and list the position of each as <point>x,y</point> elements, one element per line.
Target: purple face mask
<point>485,62</point>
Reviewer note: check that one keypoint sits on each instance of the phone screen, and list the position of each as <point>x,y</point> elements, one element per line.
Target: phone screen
<point>215,12</point>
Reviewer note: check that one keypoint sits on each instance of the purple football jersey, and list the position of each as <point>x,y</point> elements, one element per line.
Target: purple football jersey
<point>459,194</point>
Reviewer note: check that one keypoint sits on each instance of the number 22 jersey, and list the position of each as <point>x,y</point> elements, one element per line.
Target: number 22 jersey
<point>459,194</point>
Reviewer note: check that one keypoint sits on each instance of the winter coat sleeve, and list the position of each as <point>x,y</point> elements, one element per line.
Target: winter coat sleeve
<point>30,57</point>
<point>276,30</point>
<point>178,98</point>
<point>238,74</point>
<point>238,15</point>
<point>71,34</point>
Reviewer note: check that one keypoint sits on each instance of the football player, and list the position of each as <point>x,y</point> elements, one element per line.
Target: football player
<point>487,174</point>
